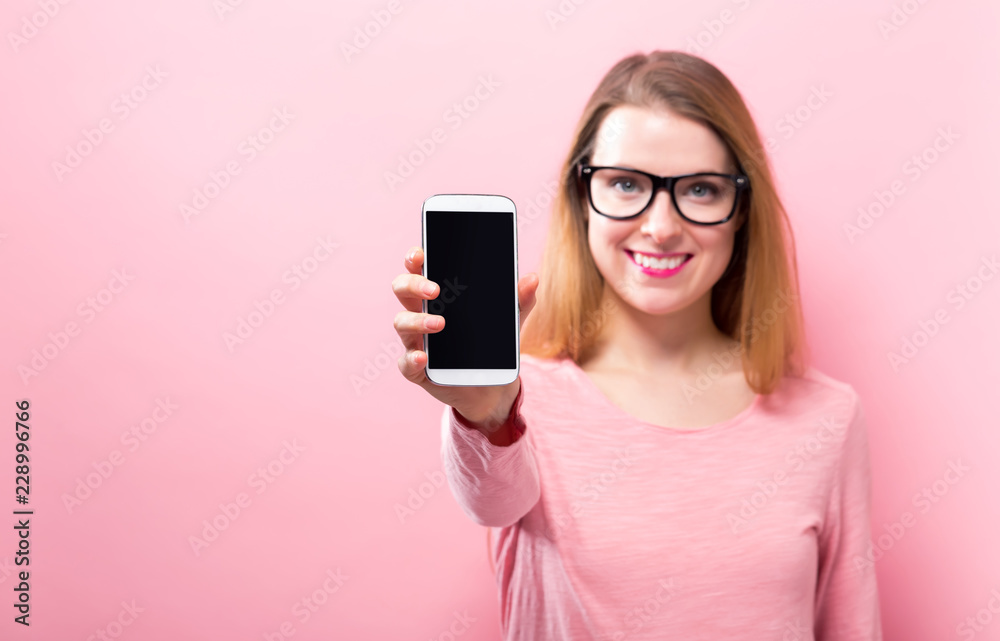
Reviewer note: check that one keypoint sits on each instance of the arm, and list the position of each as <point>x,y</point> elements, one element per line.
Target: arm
<point>847,605</point>
<point>495,478</point>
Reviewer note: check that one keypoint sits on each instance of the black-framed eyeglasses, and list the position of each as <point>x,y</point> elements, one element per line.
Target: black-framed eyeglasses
<point>705,198</point>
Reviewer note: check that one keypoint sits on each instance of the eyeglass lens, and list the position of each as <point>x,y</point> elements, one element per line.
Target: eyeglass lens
<point>703,198</point>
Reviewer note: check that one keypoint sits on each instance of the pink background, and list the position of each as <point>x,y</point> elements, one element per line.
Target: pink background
<point>314,393</point>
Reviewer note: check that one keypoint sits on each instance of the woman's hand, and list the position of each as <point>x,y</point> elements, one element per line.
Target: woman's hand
<point>486,407</point>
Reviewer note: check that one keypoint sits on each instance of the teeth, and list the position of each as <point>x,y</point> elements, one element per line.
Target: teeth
<point>658,263</point>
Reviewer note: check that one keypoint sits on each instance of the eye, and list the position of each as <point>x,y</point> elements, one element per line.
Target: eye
<point>703,190</point>
<point>620,183</point>
<point>624,184</point>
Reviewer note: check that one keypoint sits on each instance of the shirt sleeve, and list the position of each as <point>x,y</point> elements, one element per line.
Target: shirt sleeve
<point>847,604</point>
<point>495,485</point>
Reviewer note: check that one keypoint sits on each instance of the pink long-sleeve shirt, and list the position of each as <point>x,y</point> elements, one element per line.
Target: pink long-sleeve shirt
<point>607,527</point>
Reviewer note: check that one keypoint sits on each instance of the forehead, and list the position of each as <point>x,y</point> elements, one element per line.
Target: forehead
<point>658,141</point>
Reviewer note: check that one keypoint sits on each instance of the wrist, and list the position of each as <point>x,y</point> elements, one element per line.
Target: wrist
<point>496,419</point>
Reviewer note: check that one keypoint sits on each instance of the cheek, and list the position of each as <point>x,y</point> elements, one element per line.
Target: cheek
<point>718,249</point>
<point>602,250</point>
<point>605,240</point>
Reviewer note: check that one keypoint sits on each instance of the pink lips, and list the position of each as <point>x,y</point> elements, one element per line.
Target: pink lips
<point>659,273</point>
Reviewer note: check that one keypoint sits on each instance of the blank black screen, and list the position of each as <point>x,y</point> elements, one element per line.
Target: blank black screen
<point>470,255</point>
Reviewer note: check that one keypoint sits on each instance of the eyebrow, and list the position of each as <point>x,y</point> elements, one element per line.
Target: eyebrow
<point>700,171</point>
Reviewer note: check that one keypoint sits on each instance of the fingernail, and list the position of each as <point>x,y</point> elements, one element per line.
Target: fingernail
<point>411,255</point>
<point>429,288</point>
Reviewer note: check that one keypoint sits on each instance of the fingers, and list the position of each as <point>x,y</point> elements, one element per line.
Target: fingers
<point>412,323</point>
<point>416,323</point>
<point>526,289</point>
<point>412,288</point>
<point>411,365</point>
<point>527,285</point>
<point>411,327</point>
<point>414,261</point>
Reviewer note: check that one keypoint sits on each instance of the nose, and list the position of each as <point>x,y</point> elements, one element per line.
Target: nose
<point>661,220</point>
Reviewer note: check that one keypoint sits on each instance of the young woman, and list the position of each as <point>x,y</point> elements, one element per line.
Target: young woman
<point>667,465</point>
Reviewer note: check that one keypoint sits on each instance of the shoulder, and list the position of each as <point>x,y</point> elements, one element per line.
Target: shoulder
<point>553,376</point>
<point>819,390</point>
<point>532,364</point>
<point>826,411</point>
<point>830,410</point>
<point>834,432</point>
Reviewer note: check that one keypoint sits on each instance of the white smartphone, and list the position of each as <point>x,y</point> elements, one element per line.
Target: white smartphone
<point>470,251</point>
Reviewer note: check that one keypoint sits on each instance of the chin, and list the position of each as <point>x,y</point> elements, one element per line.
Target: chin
<point>657,305</point>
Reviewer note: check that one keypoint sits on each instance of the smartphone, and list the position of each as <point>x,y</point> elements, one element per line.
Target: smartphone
<point>470,251</point>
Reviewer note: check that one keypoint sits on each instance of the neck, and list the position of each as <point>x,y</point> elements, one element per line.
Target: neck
<point>675,344</point>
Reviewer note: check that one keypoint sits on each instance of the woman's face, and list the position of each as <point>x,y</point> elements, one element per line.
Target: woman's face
<point>665,144</point>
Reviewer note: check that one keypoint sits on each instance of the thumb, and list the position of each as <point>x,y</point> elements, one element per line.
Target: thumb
<point>526,288</point>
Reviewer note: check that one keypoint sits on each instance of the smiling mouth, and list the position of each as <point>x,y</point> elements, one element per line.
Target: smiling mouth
<point>662,264</point>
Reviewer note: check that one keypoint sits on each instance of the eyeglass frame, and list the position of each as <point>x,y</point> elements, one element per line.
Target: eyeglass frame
<point>586,173</point>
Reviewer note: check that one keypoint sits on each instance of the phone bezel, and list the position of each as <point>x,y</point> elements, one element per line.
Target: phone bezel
<point>478,204</point>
